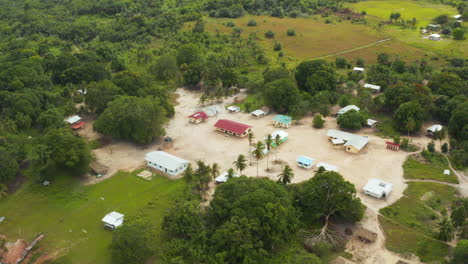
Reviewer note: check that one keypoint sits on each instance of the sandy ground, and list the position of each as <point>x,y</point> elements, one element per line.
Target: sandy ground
<point>202,142</point>
<point>13,251</point>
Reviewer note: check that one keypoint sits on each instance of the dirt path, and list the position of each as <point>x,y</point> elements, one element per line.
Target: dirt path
<point>353,49</point>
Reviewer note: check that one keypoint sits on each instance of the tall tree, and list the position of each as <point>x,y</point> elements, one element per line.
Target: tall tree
<point>408,111</point>
<point>98,95</point>
<point>286,176</point>
<point>446,229</point>
<point>250,137</point>
<point>258,152</point>
<point>188,176</point>
<point>215,170</point>
<point>277,143</point>
<point>268,144</point>
<point>240,163</point>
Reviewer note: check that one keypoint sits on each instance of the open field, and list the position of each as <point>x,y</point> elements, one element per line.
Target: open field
<point>315,39</point>
<point>411,222</point>
<point>69,214</point>
<point>432,170</point>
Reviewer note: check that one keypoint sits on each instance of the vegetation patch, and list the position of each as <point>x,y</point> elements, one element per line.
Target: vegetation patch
<point>428,169</point>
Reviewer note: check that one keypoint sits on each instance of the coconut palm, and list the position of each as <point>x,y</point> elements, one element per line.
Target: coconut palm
<point>286,175</point>
<point>230,173</point>
<point>240,163</point>
<point>277,143</point>
<point>258,152</point>
<point>250,137</point>
<point>188,176</point>
<point>215,170</point>
<point>268,143</point>
<point>410,125</point>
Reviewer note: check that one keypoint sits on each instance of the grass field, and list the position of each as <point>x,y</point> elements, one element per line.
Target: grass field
<point>69,214</point>
<point>410,223</point>
<point>430,170</point>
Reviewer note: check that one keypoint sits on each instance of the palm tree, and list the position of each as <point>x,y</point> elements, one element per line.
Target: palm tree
<point>258,152</point>
<point>286,175</point>
<point>215,170</point>
<point>268,142</point>
<point>230,173</point>
<point>250,137</point>
<point>277,143</point>
<point>446,229</point>
<point>240,163</point>
<point>188,175</point>
<point>410,125</point>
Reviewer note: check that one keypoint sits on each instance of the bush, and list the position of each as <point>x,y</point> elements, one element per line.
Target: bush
<point>328,21</point>
<point>252,23</point>
<point>458,34</point>
<point>318,121</point>
<point>351,120</point>
<point>291,32</point>
<point>363,13</point>
<point>444,148</point>
<point>404,143</point>
<point>431,146</point>
<point>460,254</point>
<point>396,140</point>
<point>343,101</point>
<point>269,34</point>
<point>341,62</point>
<point>230,24</point>
<point>277,46</point>
<point>360,62</point>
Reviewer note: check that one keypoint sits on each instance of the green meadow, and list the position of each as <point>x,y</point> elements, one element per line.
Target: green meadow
<point>69,214</point>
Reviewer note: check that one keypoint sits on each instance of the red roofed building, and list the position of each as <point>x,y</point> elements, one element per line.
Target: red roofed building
<point>232,128</point>
<point>78,125</point>
<point>198,117</point>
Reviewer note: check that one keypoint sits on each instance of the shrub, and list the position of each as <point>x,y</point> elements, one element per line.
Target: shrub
<point>291,32</point>
<point>458,34</point>
<point>252,23</point>
<point>341,62</point>
<point>360,62</point>
<point>328,21</point>
<point>363,13</point>
<point>404,143</point>
<point>318,121</point>
<point>277,46</point>
<point>269,34</point>
<point>396,140</point>
<point>431,146</point>
<point>444,148</point>
<point>230,24</point>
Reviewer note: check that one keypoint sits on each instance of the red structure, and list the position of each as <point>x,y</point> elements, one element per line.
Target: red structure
<point>78,125</point>
<point>232,128</point>
<point>198,117</point>
<point>393,146</point>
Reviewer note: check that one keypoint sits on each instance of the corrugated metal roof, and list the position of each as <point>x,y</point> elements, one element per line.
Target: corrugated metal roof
<point>347,108</point>
<point>435,128</point>
<point>231,126</point>
<point>73,119</point>
<point>378,187</point>
<point>305,160</point>
<point>199,115</point>
<point>283,119</point>
<point>351,140</point>
<point>327,167</point>
<point>165,160</point>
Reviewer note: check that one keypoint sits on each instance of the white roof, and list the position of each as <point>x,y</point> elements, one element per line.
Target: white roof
<point>281,133</point>
<point>434,35</point>
<point>378,187</point>
<point>351,140</point>
<point>165,160</point>
<point>371,122</point>
<point>327,166</point>
<point>372,86</point>
<point>307,160</point>
<point>258,113</point>
<point>223,177</point>
<point>358,69</point>
<point>233,108</point>
<point>211,110</point>
<point>337,141</point>
<point>113,218</point>
<point>447,172</point>
<point>347,108</point>
<point>457,16</point>
<point>435,128</point>
<point>73,119</point>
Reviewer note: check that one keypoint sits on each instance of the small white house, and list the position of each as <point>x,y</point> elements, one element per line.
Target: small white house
<point>305,162</point>
<point>233,109</point>
<point>258,113</point>
<point>371,122</point>
<point>446,172</point>
<point>377,188</point>
<point>113,220</point>
<point>224,177</point>
<point>166,162</point>
<point>358,70</point>
<point>435,37</point>
<point>433,129</point>
<point>348,108</point>
<point>73,119</point>
<point>373,87</point>
<point>457,16</point>
<point>326,166</point>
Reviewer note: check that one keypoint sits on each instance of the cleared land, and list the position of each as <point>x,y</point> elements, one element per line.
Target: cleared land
<point>69,214</point>
<point>410,224</point>
<point>428,170</point>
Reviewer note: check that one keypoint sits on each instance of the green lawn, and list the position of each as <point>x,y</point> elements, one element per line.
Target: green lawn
<point>430,170</point>
<point>69,214</point>
<point>416,216</point>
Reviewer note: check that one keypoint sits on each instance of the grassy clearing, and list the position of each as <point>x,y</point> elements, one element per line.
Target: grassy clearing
<point>69,214</point>
<point>430,170</point>
<point>406,242</point>
<point>410,223</point>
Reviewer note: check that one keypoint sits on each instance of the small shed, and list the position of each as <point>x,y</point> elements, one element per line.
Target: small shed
<point>326,166</point>
<point>377,188</point>
<point>371,122</point>
<point>233,109</point>
<point>366,235</point>
<point>198,117</point>
<point>283,136</point>
<point>258,113</point>
<point>73,119</point>
<point>282,121</point>
<point>392,146</point>
<point>305,162</point>
<point>224,177</point>
<point>433,27</point>
<point>457,16</point>
<point>348,108</point>
<point>98,169</point>
<point>373,87</point>
<point>113,220</point>
<point>435,37</point>
<point>358,70</point>
<point>446,172</point>
<point>433,129</point>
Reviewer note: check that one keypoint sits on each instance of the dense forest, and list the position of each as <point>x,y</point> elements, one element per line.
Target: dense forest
<point>118,61</point>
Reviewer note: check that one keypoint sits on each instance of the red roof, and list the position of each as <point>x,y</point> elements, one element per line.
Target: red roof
<point>231,126</point>
<point>393,144</point>
<point>78,125</point>
<point>199,115</point>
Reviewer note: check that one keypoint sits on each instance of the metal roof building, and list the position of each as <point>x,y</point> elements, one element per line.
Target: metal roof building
<point>354,143</point>
<point>166,162</point>
<point>347,108</point>
<point>377,188</point>
<point>232,127</point>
